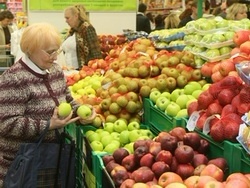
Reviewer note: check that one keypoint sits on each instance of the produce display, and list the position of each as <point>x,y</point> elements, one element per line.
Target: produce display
<point>203,83</point>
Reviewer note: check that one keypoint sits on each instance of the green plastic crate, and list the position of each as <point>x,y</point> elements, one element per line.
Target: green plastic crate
<point>158,120</point>
<point>94,160</point>
<point>241,162</point>
<point>225,149</point>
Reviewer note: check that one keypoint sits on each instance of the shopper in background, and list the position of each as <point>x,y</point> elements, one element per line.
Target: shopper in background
<point>81,44</point>
<point>172,21</point>
<point>142,21</point>
<point>31,90</point>
<point>159,22</point>
<point>237,11</point>
<point>191,17</point>
<point>188,9</point>
<point>224,6</point>
<point>6,19</point>
<point>152,20</point>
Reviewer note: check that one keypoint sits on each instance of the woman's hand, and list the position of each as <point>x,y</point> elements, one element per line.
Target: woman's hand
<point>57,122</point>
<point>90,118</point>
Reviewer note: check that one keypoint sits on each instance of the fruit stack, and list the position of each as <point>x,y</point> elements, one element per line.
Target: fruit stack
<point>177,155</point>
<point>211,40</point>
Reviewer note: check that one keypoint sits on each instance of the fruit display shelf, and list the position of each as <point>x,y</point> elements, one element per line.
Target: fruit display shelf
<point>158,120</point>
<point>93,166</point>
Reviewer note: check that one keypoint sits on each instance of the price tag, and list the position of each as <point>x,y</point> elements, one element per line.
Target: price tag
<point>191,123</point>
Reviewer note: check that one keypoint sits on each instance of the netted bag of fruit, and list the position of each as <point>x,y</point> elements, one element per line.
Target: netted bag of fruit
<point>229,82</point>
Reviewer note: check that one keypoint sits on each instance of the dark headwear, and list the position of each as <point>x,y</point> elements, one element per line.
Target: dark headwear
<point>142,7</point>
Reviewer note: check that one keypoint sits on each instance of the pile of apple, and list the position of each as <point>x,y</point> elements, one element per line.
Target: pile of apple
<point>178,151</point>
<point>108,42</point>
<point>175,103</point>
<point>219,109</point>
<point>115,135</point>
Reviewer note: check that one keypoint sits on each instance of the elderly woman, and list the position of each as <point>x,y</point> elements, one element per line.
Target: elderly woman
<point>31,91</point>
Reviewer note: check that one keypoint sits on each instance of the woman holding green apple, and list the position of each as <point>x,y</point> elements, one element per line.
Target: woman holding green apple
<point>31,91</point>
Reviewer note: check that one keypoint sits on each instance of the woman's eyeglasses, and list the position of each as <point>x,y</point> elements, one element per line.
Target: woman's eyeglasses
<point>53,54</point>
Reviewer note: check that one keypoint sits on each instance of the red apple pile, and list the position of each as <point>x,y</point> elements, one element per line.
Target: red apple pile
<point>223,103</point>
<point>242,50</point>
<point>109,42</point>
<point>178,153</point>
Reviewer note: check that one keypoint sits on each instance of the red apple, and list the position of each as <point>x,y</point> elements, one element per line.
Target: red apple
<point>169,177</point>
<point>204,100</point>
<point>238,176</point>
<point>178,132</point>
<point>110,166</point>
<point>154,148</point>
<point>204,146</point>
<point>119,154</point>
<point>128,183</point>
<point>236,183</point>
<point>140,152</point>
<point>185,170</point>
<point>191,181</point>
<point>199,159</point>
<point>226,96</point>
<point>192,139</point>
<point>184,154</point>
<point>143,174</point>
<point>169,143</point>
<point>161,135</point>
<point>147,160</point>
<point>213,171</point>
<point>245,48</point>
<point>129,162</point>
<point>214,108</point>
<point>165,156</point>
<point>241,37</point>
<point>202,180</point>
<point>221,162</point>
<point>159,167</point>
<point>107,158</point>
<point>192,107</point>
<point>119,174</point>
<point>226,66</point>
<point>198,169</point>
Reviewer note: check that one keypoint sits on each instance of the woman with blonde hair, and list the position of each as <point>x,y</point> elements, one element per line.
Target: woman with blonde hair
<point>172,21</point>
<point>237,11</point>
<point>82,43</point>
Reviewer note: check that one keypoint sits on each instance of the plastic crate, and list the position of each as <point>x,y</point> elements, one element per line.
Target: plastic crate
<point>75,132</point>
<point>158,120</point>
<point>241,162</point>
<point>94,159</point>
<point>225,149</point>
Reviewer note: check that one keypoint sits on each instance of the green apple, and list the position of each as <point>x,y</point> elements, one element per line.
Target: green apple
<point>182,100</point>
<point>105,140</point>
<point>218,38</point>
<point>124,137</point>
<point>196,93</point>
<point>89,132</point>
<point>110,148</point>
<point>212,53</point>
<point>111,118</point>
<point>182,113</point>
<point>147,132</point>
<point>162,103</point>
<point>115,135</point>
<point>206,86</point>
<point>176,93</point>
<point>134,125</point>
<point>190,101</point>
<point>94,136</point>
<point>97,122</point>
<point>229,35</point>
<point>222,24</point>
<point>64,109</point>
<point>130,147</point>
<point>225,50</point>
<point>102,132</point>
<point>120,125</point>
<point>96,145</point>
<point>196,84</point>
<point>172,109</point>
<point>191,87</point>
<point>134,135</point>
<point>154,95</point>
<point>165,94</point>
<point>84,111</point>
<point>116,142</point>
<point>108,126</point>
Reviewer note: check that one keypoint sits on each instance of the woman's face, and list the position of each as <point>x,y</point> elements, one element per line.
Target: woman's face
<point>241,15</point>
<point>44,58</point>
<point>71,19</point>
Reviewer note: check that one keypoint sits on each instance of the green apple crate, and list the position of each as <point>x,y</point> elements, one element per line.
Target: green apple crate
<point>158,120</point>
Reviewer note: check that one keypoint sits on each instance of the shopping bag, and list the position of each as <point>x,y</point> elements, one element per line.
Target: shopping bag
<point>43,165</point>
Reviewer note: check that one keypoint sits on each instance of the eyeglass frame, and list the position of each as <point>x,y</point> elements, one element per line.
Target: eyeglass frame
<point>53,54</point>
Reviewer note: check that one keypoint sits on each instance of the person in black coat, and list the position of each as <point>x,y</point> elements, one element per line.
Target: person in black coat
<point>142,21</point>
